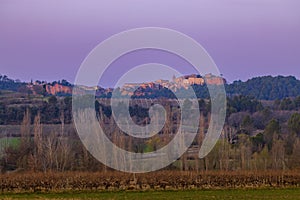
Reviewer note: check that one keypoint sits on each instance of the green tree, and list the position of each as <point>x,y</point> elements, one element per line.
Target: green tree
<point>257,142</point>
<point>272,130</point>
<point>52,100</point>
<point>294,124</point>
<point>297,102</point>
<point>247,124</point>
<point>186,107</point>
<point>287,104</point>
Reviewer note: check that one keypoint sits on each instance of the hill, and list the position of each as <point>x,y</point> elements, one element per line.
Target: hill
<point>261,88</point>
<point>266,87</point>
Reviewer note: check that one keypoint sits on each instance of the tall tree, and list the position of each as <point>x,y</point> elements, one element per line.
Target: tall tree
<point>294,124</point>
<point>273,129</point>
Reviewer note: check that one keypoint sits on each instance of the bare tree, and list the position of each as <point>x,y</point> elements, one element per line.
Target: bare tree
<point>245,151</point>
<point>25,146</point>
<point>63,147</point>
<point>38,142</point>
<point>278,154</point>
<point>294,158</point>
<point>50,145</point>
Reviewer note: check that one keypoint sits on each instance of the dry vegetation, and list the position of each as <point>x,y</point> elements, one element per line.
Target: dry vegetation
<point>162,180</point>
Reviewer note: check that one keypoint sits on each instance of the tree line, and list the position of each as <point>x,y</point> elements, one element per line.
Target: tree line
<point>255,136</point>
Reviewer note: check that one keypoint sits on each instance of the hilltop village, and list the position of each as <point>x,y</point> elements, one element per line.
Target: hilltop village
<point>182,82</point>
<point>64,88</point>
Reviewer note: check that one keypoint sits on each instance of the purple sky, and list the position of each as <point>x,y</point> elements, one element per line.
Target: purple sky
<point>48,39</point>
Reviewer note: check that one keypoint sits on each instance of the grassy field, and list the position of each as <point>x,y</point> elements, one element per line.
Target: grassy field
<point>239,194</point>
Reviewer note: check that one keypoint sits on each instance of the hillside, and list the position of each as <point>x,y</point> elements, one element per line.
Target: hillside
<point>261,88</point>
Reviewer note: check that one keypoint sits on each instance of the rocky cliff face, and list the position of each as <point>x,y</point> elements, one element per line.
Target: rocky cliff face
<point>215,81</point>
<point>58,89</point>
<point>44,88</point>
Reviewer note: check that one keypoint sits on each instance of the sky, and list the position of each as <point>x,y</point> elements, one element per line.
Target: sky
<point>49,39</point>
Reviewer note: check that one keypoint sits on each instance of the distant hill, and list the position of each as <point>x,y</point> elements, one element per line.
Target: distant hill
<point>262,88</point>
<point>266,87</point>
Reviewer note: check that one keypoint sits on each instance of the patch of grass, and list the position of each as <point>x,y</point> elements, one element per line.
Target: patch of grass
<point>238,194</point>
<point>8,142</point>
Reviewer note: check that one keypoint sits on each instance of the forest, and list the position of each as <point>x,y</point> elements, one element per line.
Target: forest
<point>257,134</point>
